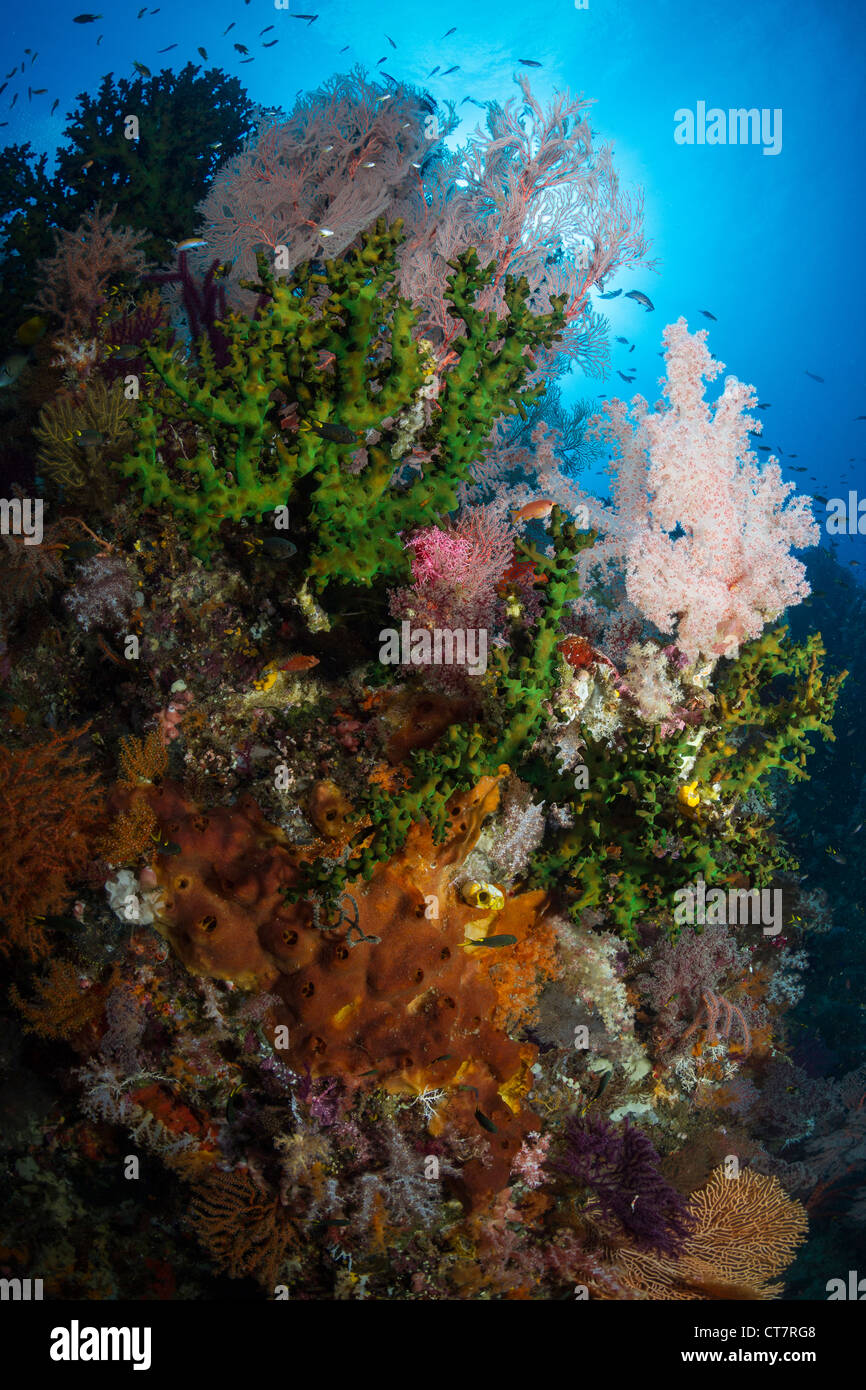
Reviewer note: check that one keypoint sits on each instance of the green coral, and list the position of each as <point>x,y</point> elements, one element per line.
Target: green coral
<point>635,839</point>
<point>337,342</point>
<point>522,681</point>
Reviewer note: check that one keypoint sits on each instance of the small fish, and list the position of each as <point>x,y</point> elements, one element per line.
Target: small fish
<point>310,17</point>
<point>818,498</point>
<point>345,49</point>
<point>3,88</point>
<point>433,71</point>
<point>141,69</point>
<point>629,379</point>
<point>88,439</point>
<point>448,71</point>
<point>55,106</point>
<point>631,349</point>
<point>504,940</point>
<point>856,417</point>
<point>141,12</point>
<point>529,63</point>
<point>192,243</point>
<point>279,547</point>
<point>203,52</point>
<point>611,294</point>
<point>640,298</point>
<point>86,18</point>
<point>534,511</point>
<point>297,664</point>
<point>815,378</point>
<point>271,44</point>
<point>336,434</point>
<point>707,315</point>
<point>31,330</point>
<point>267,29</point>
<point>228,31</point>
<point>390,40</point>
<point>167,50</point>
<point>622,340</point>
<point>241,48</point>
<point>764,405</point>
<point>13,101</point>
<point>485,1123</point>
<point>449,32</point>
<point>12,369</point>
<point>241,61</point>
<point>762,448</point>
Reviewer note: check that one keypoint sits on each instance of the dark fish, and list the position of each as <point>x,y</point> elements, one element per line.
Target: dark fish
<point>450,32</point>
<point>818,498</point>
<point>390,40</point>
<point>203,52</point>
<point>55,106</point>
<point>707,315</point>
<point>3,88</point>
<point>39,91</point>
<point>167,50</point>
<point>814,377</point>
<point>762,448</point>
<point>99,40</point>
<point>241,48</point>
<point>381,60</point>
<point>764,405</point>
<point>345,50</point>
<point>529,63</point>
<point>433,71</point>
<point>504,940</point>
<point>279,548</point>
<point>267,29</point>
<point>629,379</point>
<point>337,434</point>
<point>13,101</point>
<point>631,349</point>
<point>474,102</point>
<point>611,294</point>
<point>228,31</point>
<point>88,439</point>
<point>640,298</point>
<point>485,1123</point>
<point>622,340</point>
<point>140,68</point>
<point>86,18</point>
<point>270,44</point>
<point>451,69</point>
<point>241,61</point>
<point>310,17</point>
<point>140,13</point>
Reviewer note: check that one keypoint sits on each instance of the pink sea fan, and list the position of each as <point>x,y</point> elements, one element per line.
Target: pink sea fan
<point>701,531</point>
<point>76,279</point>
<point>313,182</point>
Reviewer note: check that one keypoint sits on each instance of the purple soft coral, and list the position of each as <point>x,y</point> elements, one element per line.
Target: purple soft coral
<point>620,1170</point>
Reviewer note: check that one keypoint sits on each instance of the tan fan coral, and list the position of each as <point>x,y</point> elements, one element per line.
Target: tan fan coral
<point>747,1231</point>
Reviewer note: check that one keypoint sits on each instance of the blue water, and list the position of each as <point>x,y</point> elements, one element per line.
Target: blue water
<point>767,243</point>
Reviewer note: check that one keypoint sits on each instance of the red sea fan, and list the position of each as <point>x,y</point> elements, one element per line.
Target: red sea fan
<point>49,806</point>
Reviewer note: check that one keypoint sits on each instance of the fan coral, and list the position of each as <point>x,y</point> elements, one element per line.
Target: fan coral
<point>314,182</point>
<point>746,1231</point>
<point>75,281</point>
<point>243,1227</point>
<point>618,1168</point>
<point>49,806</point>
<point>79,433</point>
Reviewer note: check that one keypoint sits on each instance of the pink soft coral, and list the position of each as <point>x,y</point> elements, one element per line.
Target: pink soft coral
<point>701,530</point>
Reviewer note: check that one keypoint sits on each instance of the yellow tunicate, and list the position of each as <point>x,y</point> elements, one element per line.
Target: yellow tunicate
<point>484,895</point>
<point>689,794</point>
